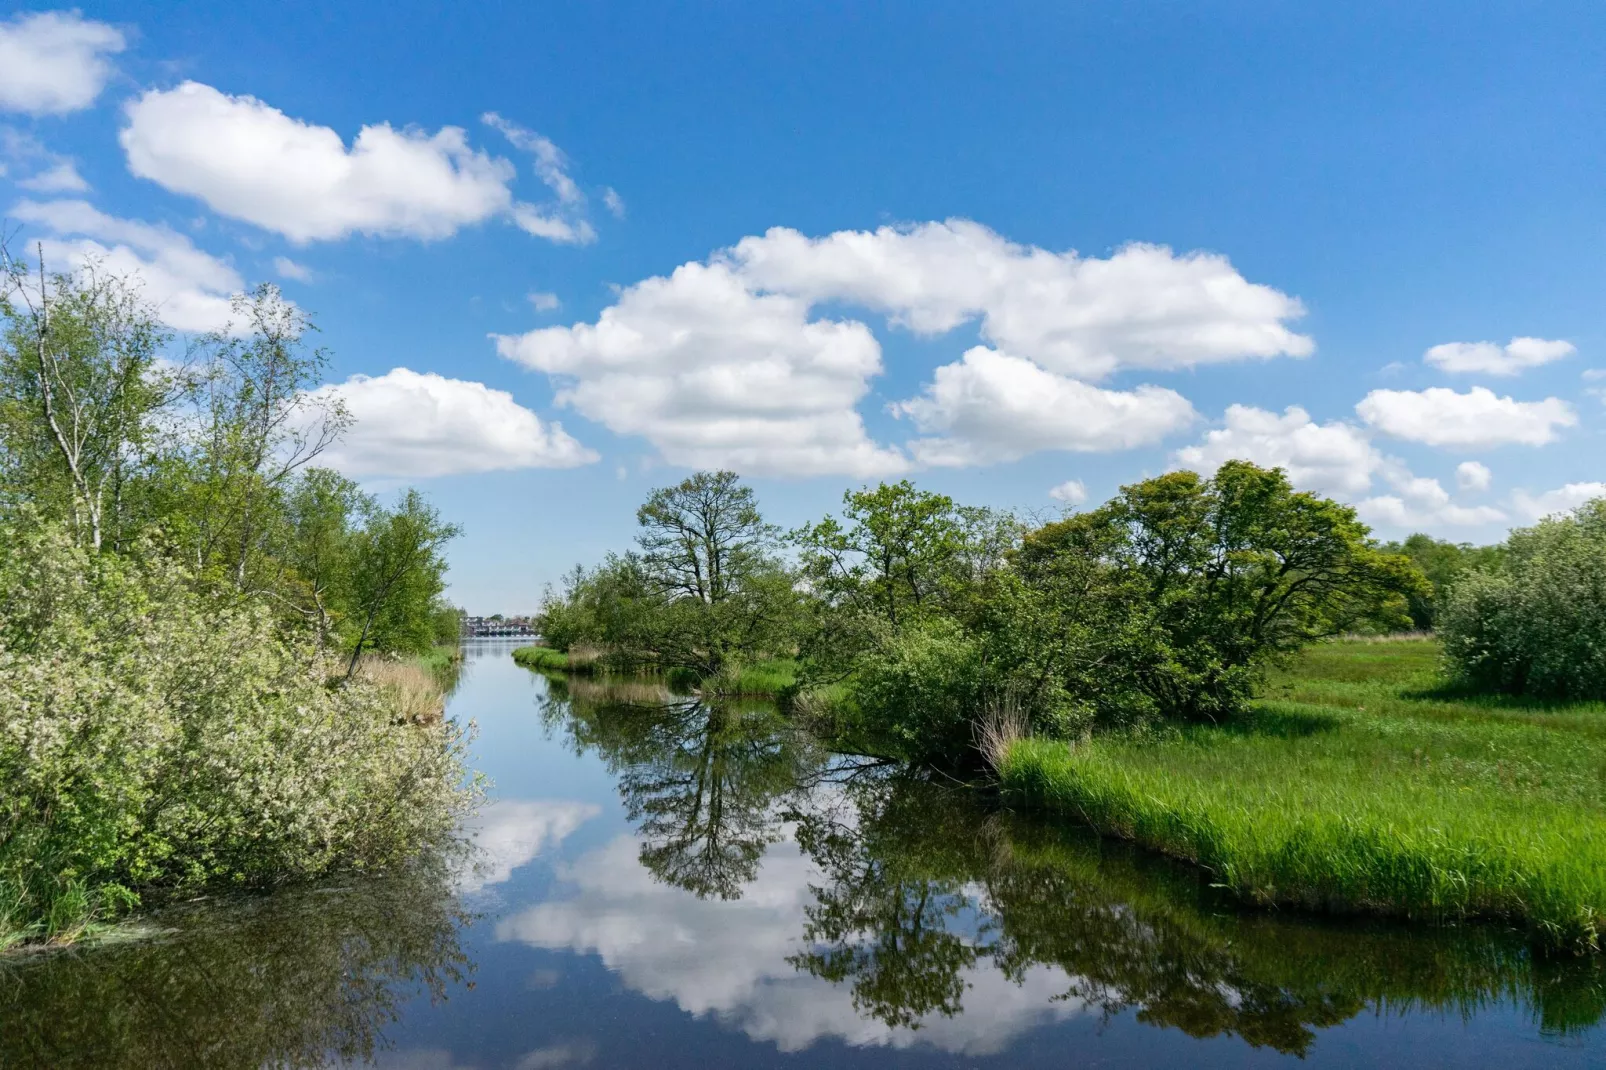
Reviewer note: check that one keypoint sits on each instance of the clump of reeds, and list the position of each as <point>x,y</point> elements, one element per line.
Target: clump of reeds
<point>1002,724</point>
<point>414,692</point>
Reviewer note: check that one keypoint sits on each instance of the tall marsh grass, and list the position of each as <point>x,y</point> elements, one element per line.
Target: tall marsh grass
<point>1359,785</point>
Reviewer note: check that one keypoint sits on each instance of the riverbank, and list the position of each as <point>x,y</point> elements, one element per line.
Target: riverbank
<point>1359,784</point>
<point>772,678</point>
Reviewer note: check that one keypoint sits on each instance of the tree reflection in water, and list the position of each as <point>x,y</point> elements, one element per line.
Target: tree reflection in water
<point>299,978</point>
<point>922,884</point>
<point>926,881</point>
<point>701,782</point>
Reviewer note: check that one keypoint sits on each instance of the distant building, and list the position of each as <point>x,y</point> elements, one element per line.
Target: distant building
<point>474,627</point>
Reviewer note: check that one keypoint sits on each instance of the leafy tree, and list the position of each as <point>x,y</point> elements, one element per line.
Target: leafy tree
<point>322,509</point>
<point>1222,575</point>
<point>1442,562</point>
<point>80,387</point>
<point>888,556</point>
<point>1536,624</point>
<point>261,419</point>
<point>703,537</point>
<point>396,575</point>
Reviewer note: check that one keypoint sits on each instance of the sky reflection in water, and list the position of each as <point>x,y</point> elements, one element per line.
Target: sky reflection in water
<point>661,884</point>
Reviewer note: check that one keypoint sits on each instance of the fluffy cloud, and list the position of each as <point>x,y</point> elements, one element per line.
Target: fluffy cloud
<point>542,301</point>
<point>250,161</point>
<point>1442,417</point>
<point>420,425</point>
<point>1336,459</point>
<point>1470,475</point>
<point>1421,502</point>
<point>1491,358</point>
<point>54,62</point>
<point>716,375</point>
<point>1333,458</point>
<point>1561,500</point>
<point>1071,492</point>
<point>729,960</point>
<point>1143,307</point>
<point>992,407</point>
<point>190,289</point>
<point>725,361</point>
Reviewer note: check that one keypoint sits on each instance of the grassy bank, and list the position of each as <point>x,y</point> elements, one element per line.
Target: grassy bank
<point>770,678</point>
<point>1358,784</point>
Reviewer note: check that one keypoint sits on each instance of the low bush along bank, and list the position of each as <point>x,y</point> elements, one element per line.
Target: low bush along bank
<point>1358,783</point>
<point>156,736</point>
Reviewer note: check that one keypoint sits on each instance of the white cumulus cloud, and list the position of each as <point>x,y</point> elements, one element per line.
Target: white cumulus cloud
<point>1419,502</point>
<point>992,407</point>
<point>1143,307</point>
<point>1071,492</point>
<point>1492,358</point>
<point>1472,476</point>
<point>1478,418</point>
<point>421,425</point>
<point>190,289</point>
<point>715,375</point>
<point>1561,500</point>
<point>542,301</point>
<point>727,361</point>
<point>1334,458</point>
<point>54,62</point>
<point>248,160</point>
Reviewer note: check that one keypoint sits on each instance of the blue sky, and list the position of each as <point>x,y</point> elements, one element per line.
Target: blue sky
<point>1389,218</point>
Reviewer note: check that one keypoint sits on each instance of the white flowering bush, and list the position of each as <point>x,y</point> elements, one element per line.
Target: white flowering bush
<point>1537,625</point>
<point>154,735</point>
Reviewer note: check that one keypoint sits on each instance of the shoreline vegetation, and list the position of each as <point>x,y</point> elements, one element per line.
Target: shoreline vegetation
<point>1360,783</point>
<point>220,664</point>
<point>1223,670</point>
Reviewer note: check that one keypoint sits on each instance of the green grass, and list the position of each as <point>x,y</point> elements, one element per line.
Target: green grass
<point>541,658</point>
<point>1361,784</point>
<point>770,678</point>
<point>439,659</point>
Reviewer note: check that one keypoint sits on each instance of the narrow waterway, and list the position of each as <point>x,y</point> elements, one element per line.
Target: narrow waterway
<point>662,884</point>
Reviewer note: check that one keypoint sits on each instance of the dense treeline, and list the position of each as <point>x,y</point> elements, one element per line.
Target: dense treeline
<point>214,454</point>
<point>927,619</point>
<point>185,602</point>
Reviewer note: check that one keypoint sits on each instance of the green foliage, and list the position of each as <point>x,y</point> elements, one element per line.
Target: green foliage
<point>541,658</point>
<point>1368,792</point>
<point>705,587</point>
<point>1210,580</point>
<point>156,734</point>
<point>1443,563</point>
<point>1536,625</point>
<point>919,691</point>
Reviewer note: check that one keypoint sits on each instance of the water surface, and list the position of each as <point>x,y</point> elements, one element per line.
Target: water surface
<point>664,884</point>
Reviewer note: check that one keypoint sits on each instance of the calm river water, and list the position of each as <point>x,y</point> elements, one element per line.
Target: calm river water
<point>660,884</point>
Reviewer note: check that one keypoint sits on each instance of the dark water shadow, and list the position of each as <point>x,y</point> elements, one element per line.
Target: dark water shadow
<point>298,978</point>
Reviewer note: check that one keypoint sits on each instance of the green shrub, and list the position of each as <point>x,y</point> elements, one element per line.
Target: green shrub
<point>920,691</point>
<point>1537,626</point>
<point>155,737</point>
